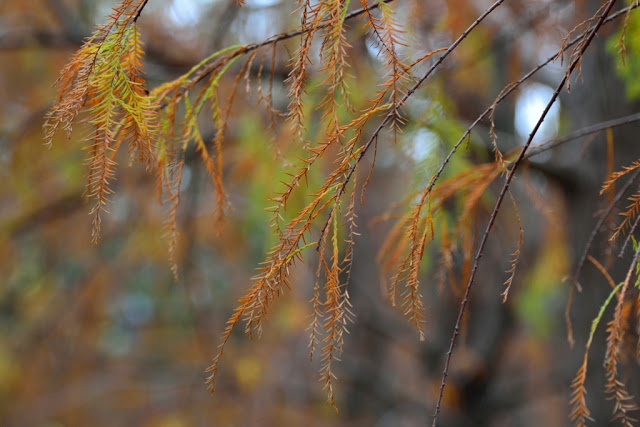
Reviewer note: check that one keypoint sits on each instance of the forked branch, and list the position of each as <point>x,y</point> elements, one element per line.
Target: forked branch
<point>587,41</point>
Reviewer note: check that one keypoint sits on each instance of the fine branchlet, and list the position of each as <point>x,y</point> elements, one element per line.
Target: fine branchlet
<point>337,137</point>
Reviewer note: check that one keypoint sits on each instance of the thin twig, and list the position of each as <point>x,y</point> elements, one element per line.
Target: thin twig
<point>208,68</point>
<point>513,86</point>
<point>340,191</point>
<point>135,19</point>
<point>599,224</point>
<point>547,145</point>
<point>629,235</point>
<point>503,192</point>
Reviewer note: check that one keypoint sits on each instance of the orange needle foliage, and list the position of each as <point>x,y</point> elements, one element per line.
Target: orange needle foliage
<point>104,80</point>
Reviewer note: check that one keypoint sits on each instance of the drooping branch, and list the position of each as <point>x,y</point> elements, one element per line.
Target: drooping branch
<point>205,68</point>
<point>274,277</point>
<point>389,117</point>
<point>589,35</point>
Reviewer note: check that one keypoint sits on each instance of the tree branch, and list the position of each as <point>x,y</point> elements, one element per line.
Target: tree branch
<point>503,192</point>
<point>342,188</point>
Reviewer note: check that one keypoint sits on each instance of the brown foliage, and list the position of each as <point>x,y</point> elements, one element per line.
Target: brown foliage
<point>104,79</point>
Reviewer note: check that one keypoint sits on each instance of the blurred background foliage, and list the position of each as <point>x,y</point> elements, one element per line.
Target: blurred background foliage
<point>102,335</point>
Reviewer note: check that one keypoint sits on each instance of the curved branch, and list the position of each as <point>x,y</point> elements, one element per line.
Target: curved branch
<point>503,192</point>
<point>144,3</point>
<point>208,68</point>
<point>389,117</point>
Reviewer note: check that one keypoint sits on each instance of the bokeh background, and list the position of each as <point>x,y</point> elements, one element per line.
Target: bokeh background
<point>102,335</point>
